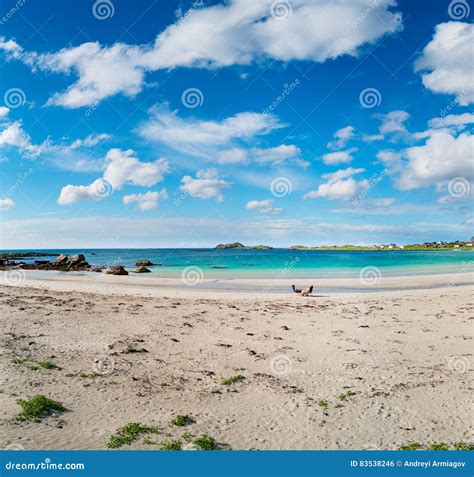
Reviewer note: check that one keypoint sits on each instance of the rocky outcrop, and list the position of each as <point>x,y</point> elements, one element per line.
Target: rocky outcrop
<point>63,258</point>
<point>143,263</point>
<point>142,270</point>
<point>62,263</point>
<point>116,270</point>
<point>239,246</point>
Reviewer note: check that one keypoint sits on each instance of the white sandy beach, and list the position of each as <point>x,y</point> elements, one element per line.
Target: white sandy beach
<point>373,369</point>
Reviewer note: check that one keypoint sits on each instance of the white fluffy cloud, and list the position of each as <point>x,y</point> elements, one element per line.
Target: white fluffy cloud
<point>273,155</point>
<point>446,62</point>
<point>4,111</point>
<point>458,121</point>
<point>124,168</point>
<point>441,158</point>
<point>206,185</point>
<point>263,206</point>
<point>146,201</point>
<point>90,141</point>
<point>71,194</point>
<point>205,138</point>
<point>339,157</point>
<point>394,122</point>
<point>14,135</point>
<point>341,137</point>
<point>339,185</point>
<point>211,37</point>
<point>6,204</point>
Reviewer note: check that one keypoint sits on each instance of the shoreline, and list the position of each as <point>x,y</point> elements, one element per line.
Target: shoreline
<point>160,286</point>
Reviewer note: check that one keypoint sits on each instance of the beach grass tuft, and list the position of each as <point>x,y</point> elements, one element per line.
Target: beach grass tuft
<point>205,442</point>
<point>187,437</point>
<point>463,446</point>
<point>233,379</point>
<point>17,360</point>
<point>180,420</point>
<point>128,433</point>
<point>171,445</point>
<point>37,407</point>
<point>48,365</point>
<point>323,404</point>
<point>411,446</point>
<point>439,446</point>
<point>92,375</point>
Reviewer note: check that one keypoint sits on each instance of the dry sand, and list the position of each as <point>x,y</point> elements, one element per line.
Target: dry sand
<point>407,356</point>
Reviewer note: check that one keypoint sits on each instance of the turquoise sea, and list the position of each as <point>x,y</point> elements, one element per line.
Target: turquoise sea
<point>280,263</point>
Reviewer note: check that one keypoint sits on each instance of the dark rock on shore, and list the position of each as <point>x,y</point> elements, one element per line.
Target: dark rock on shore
<point>62,263</point>
<point>116,270</point>
<point>143,263</point>
<point>142,270</point>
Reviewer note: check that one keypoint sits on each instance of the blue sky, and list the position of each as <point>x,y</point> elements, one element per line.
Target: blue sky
<point>179,123</point>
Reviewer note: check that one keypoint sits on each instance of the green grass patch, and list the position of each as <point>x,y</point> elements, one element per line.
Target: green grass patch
<point>349,393</point>
<point>463,446</point>
<point>180,420</point>
<point>187,437</point>
<point>33,367</point>
<point>439,446</point>
<point>233,379</point>
<point>92,375</point>
<point>411,446</point>
<point>128,433</point>
<point>380,393</point>
<point>323,404</point>
<point>37,407</point>
<point>149,442</point>
<point>17,360</point>
<point>171,446</point>
<point>339,405</point>
<point>205,442</point>
<point>48,365</point>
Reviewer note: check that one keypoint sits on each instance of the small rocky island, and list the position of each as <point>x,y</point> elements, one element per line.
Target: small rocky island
<point>239,246</point>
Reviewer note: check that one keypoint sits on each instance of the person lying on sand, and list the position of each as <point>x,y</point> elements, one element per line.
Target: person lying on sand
<point>303,292</point>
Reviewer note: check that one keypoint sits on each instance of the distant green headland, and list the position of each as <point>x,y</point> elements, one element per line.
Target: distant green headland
<point>439,245</point>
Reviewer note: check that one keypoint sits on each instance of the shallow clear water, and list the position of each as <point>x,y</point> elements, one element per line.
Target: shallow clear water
<point>280,263</point>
